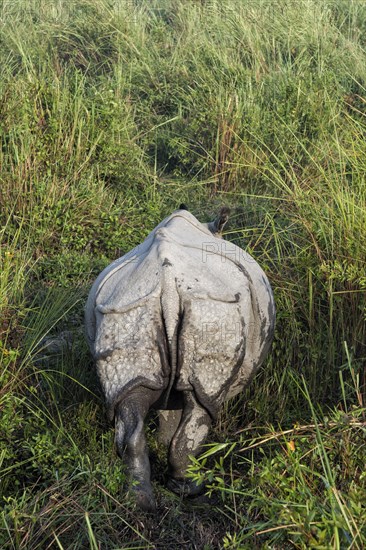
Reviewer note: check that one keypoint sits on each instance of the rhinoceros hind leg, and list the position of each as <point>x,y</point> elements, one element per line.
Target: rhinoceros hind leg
<point>168,424</point>
<point>191,433</point>
<point>131,443</point>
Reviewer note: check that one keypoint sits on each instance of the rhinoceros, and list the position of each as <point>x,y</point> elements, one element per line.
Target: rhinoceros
<point>180,323</point>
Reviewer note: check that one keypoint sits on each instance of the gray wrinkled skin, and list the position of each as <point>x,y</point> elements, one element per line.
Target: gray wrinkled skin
<point>181,323</point>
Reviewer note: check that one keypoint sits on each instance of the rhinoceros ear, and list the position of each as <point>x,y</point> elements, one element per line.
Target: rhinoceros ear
<point>218,224</point>
<point>183,207</point>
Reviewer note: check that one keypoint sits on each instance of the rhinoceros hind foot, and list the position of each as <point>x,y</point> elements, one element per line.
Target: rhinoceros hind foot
<point>185,487</point>
<point>144,498</point>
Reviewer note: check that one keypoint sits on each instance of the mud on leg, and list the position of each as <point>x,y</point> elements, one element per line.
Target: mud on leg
<point>191,433</point>
<point>131,443</point>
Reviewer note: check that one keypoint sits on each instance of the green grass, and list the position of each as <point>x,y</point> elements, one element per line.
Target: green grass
<point>112,113</point>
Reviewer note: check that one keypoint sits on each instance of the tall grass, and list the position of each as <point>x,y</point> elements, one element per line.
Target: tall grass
<point>112,113</point>
<point>302,486</point>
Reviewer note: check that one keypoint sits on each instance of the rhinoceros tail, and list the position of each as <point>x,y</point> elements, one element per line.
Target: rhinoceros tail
<point>170,305</point>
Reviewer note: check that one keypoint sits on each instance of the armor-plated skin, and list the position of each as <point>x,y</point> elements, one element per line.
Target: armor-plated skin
<point>180,323</point>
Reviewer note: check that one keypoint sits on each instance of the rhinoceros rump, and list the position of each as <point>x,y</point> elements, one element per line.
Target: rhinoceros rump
<point>180,324</point>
